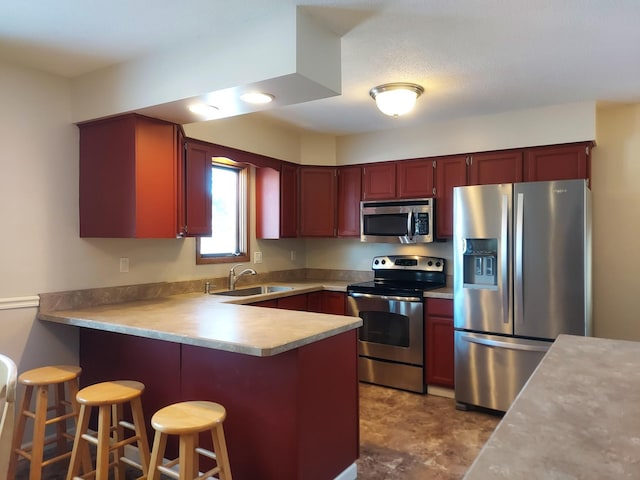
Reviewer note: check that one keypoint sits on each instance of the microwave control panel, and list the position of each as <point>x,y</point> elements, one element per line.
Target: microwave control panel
<point>421,223</point>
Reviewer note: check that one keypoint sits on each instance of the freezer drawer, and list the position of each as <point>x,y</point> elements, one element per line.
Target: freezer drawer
<point>491,370</point>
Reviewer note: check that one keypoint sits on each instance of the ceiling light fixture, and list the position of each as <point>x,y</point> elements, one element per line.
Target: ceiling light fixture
<point>256,97</point>
<point>395,99</point>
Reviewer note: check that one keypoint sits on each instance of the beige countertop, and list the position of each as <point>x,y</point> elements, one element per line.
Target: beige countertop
<point>214,321</point>
<point>576,418</point>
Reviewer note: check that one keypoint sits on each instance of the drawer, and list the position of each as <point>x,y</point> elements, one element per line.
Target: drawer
<point>442,307</point>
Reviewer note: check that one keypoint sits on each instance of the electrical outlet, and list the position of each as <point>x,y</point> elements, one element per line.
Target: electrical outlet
<point>293,255</point>
<point>257,257</point>
<point>124,264</point>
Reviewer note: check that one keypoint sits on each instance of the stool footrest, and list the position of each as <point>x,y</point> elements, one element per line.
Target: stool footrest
<point>206,453</point>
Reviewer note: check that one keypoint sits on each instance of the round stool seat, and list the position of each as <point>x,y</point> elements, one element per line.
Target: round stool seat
<point>115,392</point>
<point>188,417</point>
<point>50,375</point>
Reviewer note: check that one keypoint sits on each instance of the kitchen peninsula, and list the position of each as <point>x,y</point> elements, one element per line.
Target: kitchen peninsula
<point>288,379</point>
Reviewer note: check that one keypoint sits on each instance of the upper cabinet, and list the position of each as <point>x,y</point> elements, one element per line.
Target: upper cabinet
<point>495,167</point>
<point>277,201</point>
<point>318,199</point>
<point>450,172</point>
<point>196,171</point>
<point>558,162</point>
<point>415,178</point>
<point>132,183</point>
<point>379,181</point>
<point>349,195</point>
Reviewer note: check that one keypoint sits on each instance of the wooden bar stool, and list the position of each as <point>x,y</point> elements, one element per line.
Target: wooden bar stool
<point>110,399</point>
<point>64,408</point>
<point>188,420</point>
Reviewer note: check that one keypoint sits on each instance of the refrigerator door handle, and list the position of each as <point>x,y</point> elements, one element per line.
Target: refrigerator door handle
<point>507,345</point>
<point>503,259</point>
<point>519,239</point>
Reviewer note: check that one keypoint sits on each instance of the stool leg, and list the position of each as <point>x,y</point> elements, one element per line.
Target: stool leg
<point>141,433</point>
<point>37,445</point>
<point>222,455</point>
<point>157,454</point>
<point>80,446</point>
<point>102,453</point>
<point>189,464</point>
<point>117,414</point>
<point>75,406</point>
<point>19,432</point>
<point>61,427</point>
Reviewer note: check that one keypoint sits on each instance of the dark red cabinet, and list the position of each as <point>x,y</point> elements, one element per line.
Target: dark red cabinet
<point>277,201</point>
<point>439,342</point>
<point>558,162</point>
<point>379,181</point>
<point>318,199</point>
<point>415,178</point>
<point>495,167</point>
<point>450,172</point>
<point>349,196</point>
<point>132,181</point>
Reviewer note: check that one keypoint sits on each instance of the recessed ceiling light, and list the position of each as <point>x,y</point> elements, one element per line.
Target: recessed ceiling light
<point>256,97</point>
<point>204,110</point>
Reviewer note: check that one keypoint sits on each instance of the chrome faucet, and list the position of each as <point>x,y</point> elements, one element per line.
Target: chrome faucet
<point>233,278</point>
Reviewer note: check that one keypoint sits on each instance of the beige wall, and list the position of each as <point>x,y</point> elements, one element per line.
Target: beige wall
<point>616,223</point>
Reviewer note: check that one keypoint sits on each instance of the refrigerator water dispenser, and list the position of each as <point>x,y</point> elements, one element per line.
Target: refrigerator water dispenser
<point>480,257</point>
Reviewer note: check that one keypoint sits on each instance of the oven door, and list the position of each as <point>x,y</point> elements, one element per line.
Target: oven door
<point>392,327</point>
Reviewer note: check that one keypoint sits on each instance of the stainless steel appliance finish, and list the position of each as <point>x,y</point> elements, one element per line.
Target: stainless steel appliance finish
<point>391,340</point>
<point>522,276</point>
<point>397,221</point>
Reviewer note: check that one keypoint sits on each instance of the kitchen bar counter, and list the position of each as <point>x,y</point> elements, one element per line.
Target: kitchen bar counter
<point>576,418</point>
<point>288,379</point>
<point>211,321</point>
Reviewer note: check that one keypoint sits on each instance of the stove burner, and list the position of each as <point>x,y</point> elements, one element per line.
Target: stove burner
<point>403,275</point>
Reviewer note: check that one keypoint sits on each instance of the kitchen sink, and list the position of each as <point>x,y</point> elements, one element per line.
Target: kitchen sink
<point>248,291</point>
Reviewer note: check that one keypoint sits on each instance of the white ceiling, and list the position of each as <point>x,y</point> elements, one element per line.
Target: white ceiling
<point>473,57</point>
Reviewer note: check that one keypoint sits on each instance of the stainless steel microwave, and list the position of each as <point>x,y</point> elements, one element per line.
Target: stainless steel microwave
<point>397,221</point>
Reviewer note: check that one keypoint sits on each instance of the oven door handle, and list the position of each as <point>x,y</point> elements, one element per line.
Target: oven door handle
<point>393,298</point>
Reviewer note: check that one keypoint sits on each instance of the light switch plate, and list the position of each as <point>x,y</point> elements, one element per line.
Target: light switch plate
<point>124,264</point>
<point>257,257</point>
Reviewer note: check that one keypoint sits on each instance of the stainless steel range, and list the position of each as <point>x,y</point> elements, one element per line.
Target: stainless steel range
<point>391,339</point>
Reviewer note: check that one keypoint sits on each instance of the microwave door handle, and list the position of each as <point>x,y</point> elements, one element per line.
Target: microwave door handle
<point>410,227</point>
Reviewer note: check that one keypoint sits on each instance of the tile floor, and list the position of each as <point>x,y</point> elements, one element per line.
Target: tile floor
<point>409,436</point>
<point>402,436</point>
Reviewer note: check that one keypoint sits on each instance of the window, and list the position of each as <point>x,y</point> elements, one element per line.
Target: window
<point>229,239</point>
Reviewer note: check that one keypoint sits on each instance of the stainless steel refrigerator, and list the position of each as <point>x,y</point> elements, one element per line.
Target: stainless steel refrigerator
<point>522,276</point>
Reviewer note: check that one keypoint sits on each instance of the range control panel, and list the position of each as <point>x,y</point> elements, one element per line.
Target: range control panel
<point>408,262</point>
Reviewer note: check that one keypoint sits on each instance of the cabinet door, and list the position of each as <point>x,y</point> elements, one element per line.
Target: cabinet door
<point>558,162</point>
<point>333,302</point>
<point>415,178</point>
<point>295,302</point>
<point>349,196</point>
<point>495,167</point>
<point>439,342</point>
<point>379,181</point>
<point>197,189</point>
<point>450,172</point>
<point>318,197</point>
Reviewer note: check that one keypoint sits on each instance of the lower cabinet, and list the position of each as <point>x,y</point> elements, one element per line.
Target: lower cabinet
<point>324,301</point>
<point>439,342</point>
